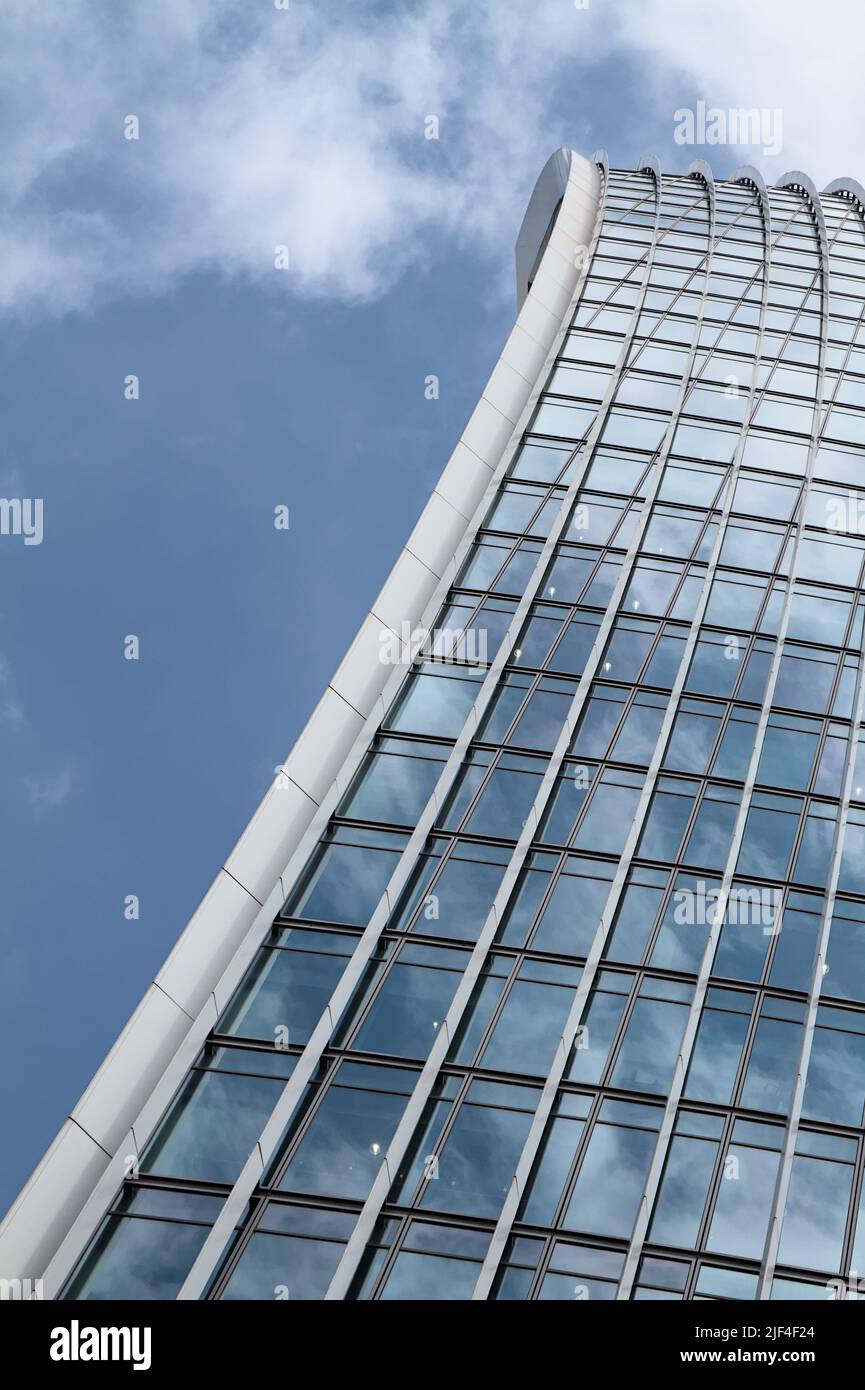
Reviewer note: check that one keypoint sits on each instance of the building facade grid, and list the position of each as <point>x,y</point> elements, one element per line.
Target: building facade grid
<point>568,1003</point>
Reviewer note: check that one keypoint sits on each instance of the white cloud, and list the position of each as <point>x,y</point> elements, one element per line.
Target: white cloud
<point>51,790</point>
<point>792,55</point>
<point>262,127</point>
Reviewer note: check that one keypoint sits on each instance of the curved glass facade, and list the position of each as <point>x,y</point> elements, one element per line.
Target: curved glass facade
<point>608,1039</point>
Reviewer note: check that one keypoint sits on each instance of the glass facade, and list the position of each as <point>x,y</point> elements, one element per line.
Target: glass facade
<point>608,1039</point>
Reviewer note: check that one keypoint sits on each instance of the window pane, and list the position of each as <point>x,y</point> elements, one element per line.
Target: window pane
<point>683,1192</point>
<point>286,989</point>
<point>408,1010</point>
<point>212,1126</point>
<point>744,1203</point>
<point>345,1144</point>
<point>835,1084</point>
<point>815,1214</point>
<point>610,1184</point>
<point>772,1066</point>
<point>271,1263</point>
<point>430,1278</point>
<point>649,1049</point>
<point>716,1056</point>
<point>478,1161</point>
<point>528,1029</point>
<point>138,1260</point>
<point>345,884</point>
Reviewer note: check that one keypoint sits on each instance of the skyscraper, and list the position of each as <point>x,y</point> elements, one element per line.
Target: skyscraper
<point>540,970</point>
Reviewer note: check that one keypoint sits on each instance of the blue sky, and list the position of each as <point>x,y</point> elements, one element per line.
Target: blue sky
<point>260,127</point>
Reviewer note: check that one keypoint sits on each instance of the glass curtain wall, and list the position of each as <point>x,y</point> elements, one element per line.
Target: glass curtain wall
<point>665,800</point>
